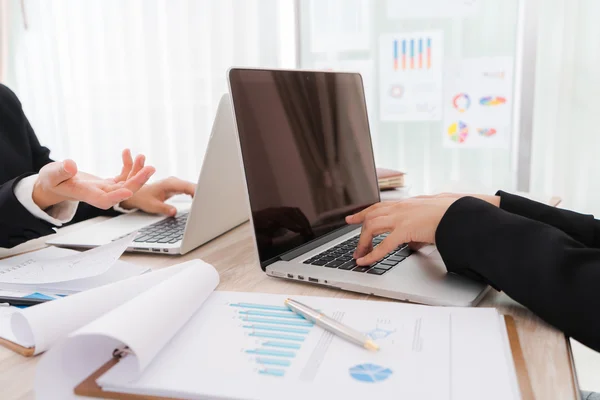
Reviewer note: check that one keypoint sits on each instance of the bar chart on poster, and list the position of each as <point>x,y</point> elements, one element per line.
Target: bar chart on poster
<point>440,81</point>
<point>410,76</point>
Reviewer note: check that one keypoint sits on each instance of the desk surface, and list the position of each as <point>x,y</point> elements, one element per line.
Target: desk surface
<point>545,350</point>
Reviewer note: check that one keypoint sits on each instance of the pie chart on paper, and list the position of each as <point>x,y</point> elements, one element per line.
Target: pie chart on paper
<point>458,132</point>
<point>370,373</point>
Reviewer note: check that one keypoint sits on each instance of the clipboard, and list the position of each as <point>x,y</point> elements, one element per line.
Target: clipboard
<point>90,388</point>
<point>24,351</point>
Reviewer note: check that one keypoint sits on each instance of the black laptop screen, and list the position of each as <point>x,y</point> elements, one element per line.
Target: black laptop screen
<point>306,151</point>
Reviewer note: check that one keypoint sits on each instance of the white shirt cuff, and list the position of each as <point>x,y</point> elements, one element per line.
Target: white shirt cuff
<point>57,215</point>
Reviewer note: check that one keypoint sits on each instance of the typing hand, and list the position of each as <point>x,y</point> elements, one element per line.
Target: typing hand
<point>60,181</point>
<point>151,198</point>
<point>408,221</point>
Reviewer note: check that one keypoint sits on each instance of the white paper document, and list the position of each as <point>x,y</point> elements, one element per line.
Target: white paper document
<point>195,342</point>
<point>478,103</point>
<point>41,326</point>
<point>410,76</point>
<point>33,269</point>
<point>120,270</point>
<point>424,353</point>
<point>407,9</point>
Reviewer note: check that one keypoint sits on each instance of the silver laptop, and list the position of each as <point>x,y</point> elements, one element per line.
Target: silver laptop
<point>219,204</point>
<point>308,161</point>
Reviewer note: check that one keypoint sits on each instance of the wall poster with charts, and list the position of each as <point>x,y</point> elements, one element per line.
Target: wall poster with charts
<point>478,103</point>
<point>410,76</point>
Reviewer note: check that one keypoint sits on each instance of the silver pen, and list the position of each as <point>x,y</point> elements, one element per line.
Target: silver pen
<point>331,325</point>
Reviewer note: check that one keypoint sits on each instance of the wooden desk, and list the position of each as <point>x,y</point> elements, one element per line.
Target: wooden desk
<point>545,349</point>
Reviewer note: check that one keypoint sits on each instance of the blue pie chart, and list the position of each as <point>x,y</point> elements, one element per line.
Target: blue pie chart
<point>370,373</point>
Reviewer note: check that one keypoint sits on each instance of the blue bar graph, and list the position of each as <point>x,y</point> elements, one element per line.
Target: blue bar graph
<point>277,321</point>
<point>277,336</point>
<point>260,306</point>
<point>272,372</point>
<point>274,353</point>
<point>282,345</point>
<point>280,333</point>
<point>273,361</point>
<point>277,329</point>
<point>290,315</point>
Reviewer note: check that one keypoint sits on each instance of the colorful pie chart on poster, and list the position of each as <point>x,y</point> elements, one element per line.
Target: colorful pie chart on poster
<point>492,101</point>
<point>486,132</point>
<point>458,132</point>
<point>461,102</point>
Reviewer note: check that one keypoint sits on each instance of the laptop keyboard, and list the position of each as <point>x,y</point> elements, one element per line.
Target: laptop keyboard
<point>169,230</point>
<point>340,257</point>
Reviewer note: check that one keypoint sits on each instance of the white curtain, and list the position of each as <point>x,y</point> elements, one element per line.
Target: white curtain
<point>97,76</point>
<point>566,137</point>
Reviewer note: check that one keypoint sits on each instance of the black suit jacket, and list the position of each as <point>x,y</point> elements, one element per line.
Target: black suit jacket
<point>22,155</point>
<point>545,258</point>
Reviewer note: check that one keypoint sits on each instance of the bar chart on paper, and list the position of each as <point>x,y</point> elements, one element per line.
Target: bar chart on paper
<point>250,346</point>
<point>279,335</point>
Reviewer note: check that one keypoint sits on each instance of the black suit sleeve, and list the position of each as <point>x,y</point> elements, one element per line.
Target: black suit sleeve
<point>20,131</point>
<point>540,266</point>
<point>581,227</point>
<point>18,225</point>
<point>22,152</point>
<point>39,154</point>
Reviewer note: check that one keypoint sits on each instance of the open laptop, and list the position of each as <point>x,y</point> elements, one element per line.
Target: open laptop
<point>308,163</point>
<point>219,204</point>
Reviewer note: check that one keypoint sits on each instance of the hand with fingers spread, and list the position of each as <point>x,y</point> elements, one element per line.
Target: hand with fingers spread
<point>61,181</point>
<point>408,221</point>
<point>151,198</point>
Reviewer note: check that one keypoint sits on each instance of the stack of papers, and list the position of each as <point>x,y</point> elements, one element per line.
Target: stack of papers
<point>55,271</point>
